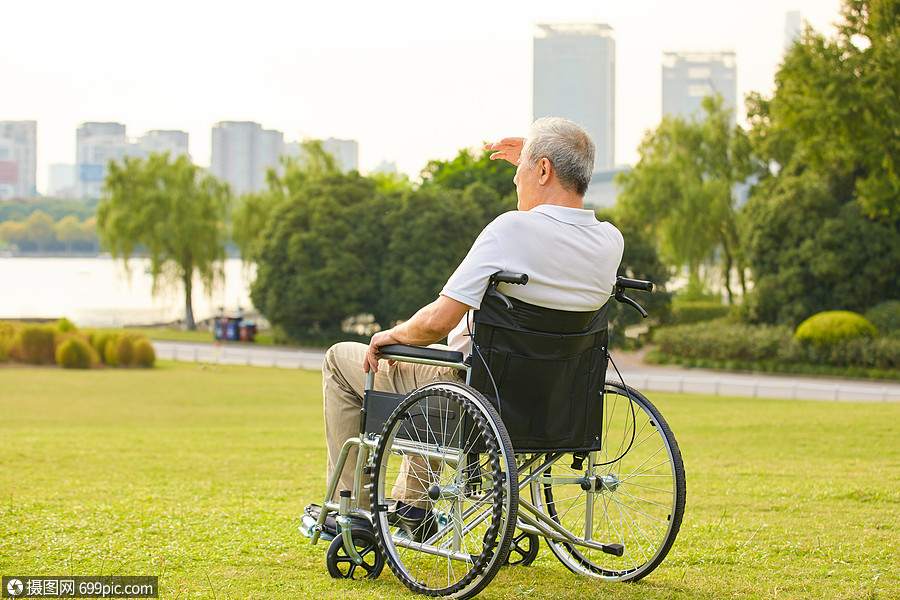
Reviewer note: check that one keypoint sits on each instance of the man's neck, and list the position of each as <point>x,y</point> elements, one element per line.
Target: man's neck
<point>563,198</point>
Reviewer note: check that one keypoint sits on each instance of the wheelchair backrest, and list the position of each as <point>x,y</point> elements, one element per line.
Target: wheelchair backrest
<point>544,371</point>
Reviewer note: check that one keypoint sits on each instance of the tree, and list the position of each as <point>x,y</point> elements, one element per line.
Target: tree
<point>822,229</point>
<point>430,231</point>
<point>681,190</point>
<point>318,257</point>
<point>330,246</point>
<point>640,260</point>
<point>69,229</point>
<point>468,168</point>
<point>812,252</point>
<point>250,215</point>
<point>12,232</point>
<point>174,212</point>
<point>836,108</point>
<point>39,229</point>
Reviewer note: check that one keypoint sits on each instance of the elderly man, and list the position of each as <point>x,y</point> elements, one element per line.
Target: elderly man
<point>571,259</point>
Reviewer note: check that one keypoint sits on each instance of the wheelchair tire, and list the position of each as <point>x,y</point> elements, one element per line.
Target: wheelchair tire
<point>635,492</point>
<point>341,566</point>
<point>471,483</point>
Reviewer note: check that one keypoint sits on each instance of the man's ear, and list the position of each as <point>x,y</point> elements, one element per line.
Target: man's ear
<point>545,167</point>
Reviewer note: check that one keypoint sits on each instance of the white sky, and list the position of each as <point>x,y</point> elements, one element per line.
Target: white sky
<point>409,80</point>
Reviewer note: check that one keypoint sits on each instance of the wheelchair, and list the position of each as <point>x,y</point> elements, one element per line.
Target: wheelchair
<point>536,444</point>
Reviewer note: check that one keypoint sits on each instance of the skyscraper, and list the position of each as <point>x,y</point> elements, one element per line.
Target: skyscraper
<point>688,77</point>
<point>95,145</point>
<point>344,152</point>
<point>793,28</point>
<point>18,159</point>
<point>242,151</point>
<point>159,141</point>
<point>575,78</point>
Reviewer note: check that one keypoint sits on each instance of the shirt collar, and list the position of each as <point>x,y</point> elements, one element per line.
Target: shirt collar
<point>572,216</point>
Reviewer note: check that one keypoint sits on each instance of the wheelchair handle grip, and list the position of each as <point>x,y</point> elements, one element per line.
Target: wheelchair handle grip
<point>634,284</point>
<point>508,277</point>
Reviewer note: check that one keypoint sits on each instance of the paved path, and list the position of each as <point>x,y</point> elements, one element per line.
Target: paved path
<point>644,377</point>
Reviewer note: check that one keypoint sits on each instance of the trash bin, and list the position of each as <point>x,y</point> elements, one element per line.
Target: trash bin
<point>219,328</point>
<point>247,330</point>
<point>231,330</point>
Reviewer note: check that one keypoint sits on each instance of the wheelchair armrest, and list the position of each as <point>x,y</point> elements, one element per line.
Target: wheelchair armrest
<point>401,351</point>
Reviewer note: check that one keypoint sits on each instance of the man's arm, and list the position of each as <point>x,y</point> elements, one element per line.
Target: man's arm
<point>430,324</point>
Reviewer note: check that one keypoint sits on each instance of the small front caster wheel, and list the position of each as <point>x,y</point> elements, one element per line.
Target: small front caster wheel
<point>342,566</point>
<point>523,549</point>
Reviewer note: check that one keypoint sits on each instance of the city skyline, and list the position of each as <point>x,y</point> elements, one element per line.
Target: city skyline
<point>411,82</point>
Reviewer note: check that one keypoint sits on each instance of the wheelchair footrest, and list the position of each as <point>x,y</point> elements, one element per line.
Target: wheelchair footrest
<point>614,549</point>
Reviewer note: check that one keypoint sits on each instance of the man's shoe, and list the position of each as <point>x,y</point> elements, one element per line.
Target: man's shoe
<point>417,523</point>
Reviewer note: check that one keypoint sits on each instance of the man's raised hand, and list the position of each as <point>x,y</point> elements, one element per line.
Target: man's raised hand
<point>507,149</point>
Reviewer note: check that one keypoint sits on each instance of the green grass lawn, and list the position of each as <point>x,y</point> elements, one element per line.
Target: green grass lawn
<point>199,477</point>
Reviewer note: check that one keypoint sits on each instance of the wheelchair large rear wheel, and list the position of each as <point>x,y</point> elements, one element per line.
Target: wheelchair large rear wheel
<point>448,441</point>
<point>629,495</point>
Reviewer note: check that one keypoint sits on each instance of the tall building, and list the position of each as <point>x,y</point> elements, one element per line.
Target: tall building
<point>18,159</point>
<point>95,145</point>
<point>688,77</point>
<point>793,28</point>
<point>575,78</point>
<point>345,152</point>
<point>242,151</point>
<point>160,141</point>
<point>98,143</point>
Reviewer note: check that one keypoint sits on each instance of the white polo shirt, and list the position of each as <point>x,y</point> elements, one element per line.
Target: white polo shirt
<point>570,257</point>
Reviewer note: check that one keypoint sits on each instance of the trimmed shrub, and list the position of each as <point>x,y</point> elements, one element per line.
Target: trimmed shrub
<point>110,355</point>
<point>828,328</point>
<point>686,313</point>
<point>74,353</point>
<point>144,355</point>
<point>34,344</point>
<point>7,337</point>
<point>722,340</point>
<point>885,316</point>
<point>98,341</point>
<point>124,350</point>
<point>64,325</point>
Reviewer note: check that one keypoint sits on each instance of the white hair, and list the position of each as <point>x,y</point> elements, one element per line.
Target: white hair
<point>568,147</point>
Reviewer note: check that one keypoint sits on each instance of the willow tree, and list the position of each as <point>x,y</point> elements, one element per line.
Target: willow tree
<point>172,211</point>
<point>682,189</point>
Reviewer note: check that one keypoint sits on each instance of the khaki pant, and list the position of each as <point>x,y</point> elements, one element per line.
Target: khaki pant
<point>343,384</point>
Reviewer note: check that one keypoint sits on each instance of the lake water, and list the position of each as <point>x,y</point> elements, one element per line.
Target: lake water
<point>97,292</point>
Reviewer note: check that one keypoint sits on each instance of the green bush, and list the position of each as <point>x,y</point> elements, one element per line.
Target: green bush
<point>829,328</point>
<point>98,341</point>
<point>885,316</point>
<point>7,337</point>
<point>110,355</point>
<point>686,313</point>
<point>64,326</point>
<point>34,344</point>
<point>124,350</point>
<point>730,345</point>
<point>144,355</point>
<point>722,340</point>
<point>74,353</point>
